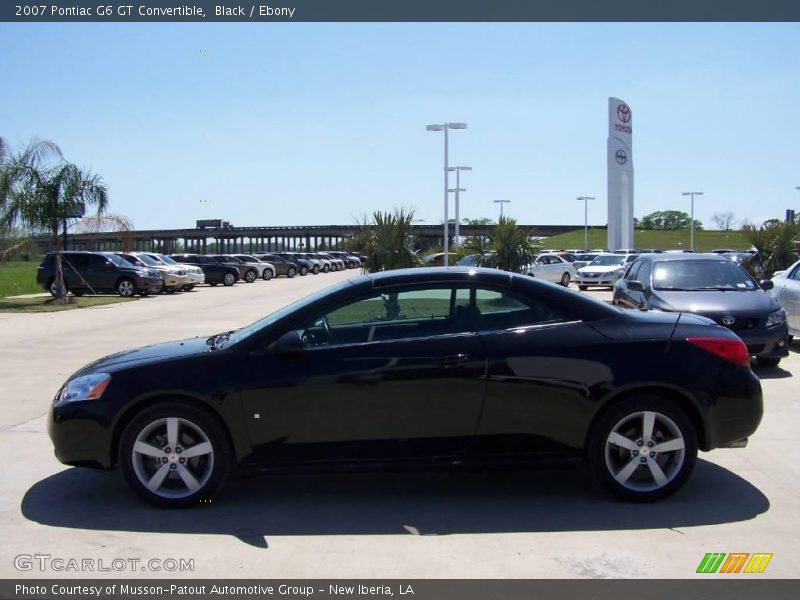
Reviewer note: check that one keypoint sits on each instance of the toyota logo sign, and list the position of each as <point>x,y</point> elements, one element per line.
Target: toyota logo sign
<point>624,113</point>
<point>728,320</point>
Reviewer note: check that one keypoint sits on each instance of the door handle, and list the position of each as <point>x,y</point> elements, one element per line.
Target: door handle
<point>454,359</point>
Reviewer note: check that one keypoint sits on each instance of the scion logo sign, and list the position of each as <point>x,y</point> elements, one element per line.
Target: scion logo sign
<point>624,113</point>
<point>621,156</point>
<point>735,562</point>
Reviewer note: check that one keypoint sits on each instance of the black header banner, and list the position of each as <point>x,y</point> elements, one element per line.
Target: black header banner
<point>413,589</point>
<point>398,10</point>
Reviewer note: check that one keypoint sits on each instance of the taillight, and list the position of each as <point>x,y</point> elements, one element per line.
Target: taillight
<point>731,350</point>
<point>39,269</point>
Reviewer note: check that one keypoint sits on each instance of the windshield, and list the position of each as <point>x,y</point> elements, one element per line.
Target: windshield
<point>608,260</point>
<point>166,259</point>
<point>119,261</point>
<point>694,275</point>
<point>146,260</point>
<point>271,318</point>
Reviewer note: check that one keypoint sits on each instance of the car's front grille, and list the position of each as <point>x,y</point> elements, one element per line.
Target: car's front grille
<point>739,324</point>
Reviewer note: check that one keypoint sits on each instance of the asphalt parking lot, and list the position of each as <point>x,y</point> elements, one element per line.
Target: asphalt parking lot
<point>530,523</point>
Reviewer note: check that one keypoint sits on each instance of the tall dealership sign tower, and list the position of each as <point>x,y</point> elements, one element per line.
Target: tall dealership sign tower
<point>620,175</point>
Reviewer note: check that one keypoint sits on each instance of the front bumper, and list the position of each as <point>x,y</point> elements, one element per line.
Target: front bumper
<point>768,343</point>
<point>81,433</point>
<point>151,285</point>
<point>601,279</point>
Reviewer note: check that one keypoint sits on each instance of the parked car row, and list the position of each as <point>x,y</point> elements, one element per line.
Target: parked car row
<point>143,273</point>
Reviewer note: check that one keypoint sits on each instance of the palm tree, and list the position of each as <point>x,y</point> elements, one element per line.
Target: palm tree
<point>387,241</point>
<point>509,247</point>
<point>777,246</point>
<point>39,195</point>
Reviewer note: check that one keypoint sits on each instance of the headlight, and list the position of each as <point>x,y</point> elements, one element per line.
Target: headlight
<point>85,387</point>
<point>776,318</point>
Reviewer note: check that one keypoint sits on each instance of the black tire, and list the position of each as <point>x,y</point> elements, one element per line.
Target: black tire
<point>250,275</point>
<point>768,363</point>
<point>170,290</point>
<point>635,458</point>
<point>143,294</point>
<point>315,270</point>
<point>326,268</point>
<point>291,272</point>
<point>267,275</point>
<point>194,427</point>
<point>303,271</point>
<point>188,288</point>
<point>228,279</point>
<point>126,287</point>
<point>213,283</point>
<point>582,288</point>
<point>51,287</point>
<point>565,279</point>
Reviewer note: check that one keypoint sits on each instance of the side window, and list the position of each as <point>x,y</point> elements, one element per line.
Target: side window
<point>501,310</point>
<point>76,261</point>
<point>97,262</point>
<point>543,260</point>
<point>796,274</point>
<point>633,271</point>
<point>644,273</point>
<point>391,316</point>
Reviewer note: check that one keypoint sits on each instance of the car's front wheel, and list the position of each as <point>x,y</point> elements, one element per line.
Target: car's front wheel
<point>642,449</point>
<point>303,271</point>
<point>291,272</point>
<point>175,455</point>
<point>126,287</point>
<point>267,275</point>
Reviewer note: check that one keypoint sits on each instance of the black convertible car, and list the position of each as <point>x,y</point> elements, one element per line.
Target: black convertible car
<point>414,366</point>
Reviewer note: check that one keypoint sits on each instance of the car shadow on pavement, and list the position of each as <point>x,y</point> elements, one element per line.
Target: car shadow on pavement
<point>771,373</point>
<point>257,506</point>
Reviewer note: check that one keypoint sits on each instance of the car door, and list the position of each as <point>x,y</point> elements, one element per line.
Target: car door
<point>628,296</point>
<point>789,298</point>
<point>539,367</point>
<point>396,374</point>
<point>74,267</point>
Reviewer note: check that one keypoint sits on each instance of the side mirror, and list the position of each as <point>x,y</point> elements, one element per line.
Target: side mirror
<point>766,284</point>
<point>289,343</point>
<point>635,285</point>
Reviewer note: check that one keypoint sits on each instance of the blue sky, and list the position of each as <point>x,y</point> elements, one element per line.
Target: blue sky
<point>281,124</point>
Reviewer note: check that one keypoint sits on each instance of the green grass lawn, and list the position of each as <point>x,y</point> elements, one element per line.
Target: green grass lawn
<point>48,304</point>
<point>704,241</point>
<point>18,277</point>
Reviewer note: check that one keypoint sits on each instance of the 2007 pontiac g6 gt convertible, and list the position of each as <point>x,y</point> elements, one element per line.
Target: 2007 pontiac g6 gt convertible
<point>415,366</point>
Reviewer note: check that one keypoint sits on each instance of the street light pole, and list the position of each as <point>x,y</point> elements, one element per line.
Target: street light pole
<point>458,189</point>
<point>585,200</point>
<point>501,202</point>
<point>691,223</point>
<point>444,127</point>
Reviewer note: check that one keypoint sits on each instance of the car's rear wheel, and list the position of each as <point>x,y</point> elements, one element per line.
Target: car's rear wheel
<point>250,276</point>
<point>565,279</point>
<point>175,455</point>
<point>53,288</point>
<point>267,275</point>
<point>642,449</point>
<point>291,272</point>
<point>229,279</point>
<point>126,287</point>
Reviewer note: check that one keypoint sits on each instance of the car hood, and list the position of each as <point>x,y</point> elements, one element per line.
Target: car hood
<point>147,354</point>
<point>756,301</point>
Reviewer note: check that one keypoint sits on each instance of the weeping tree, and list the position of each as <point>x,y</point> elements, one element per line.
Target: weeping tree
<point>777,246</point>
<point>509,247</point>
<point>40,191</point>
<point>387,240</point>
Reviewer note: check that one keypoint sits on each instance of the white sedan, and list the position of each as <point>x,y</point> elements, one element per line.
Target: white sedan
<point>604,270</point>
<point>551,267</point>
<point>787,293</point>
